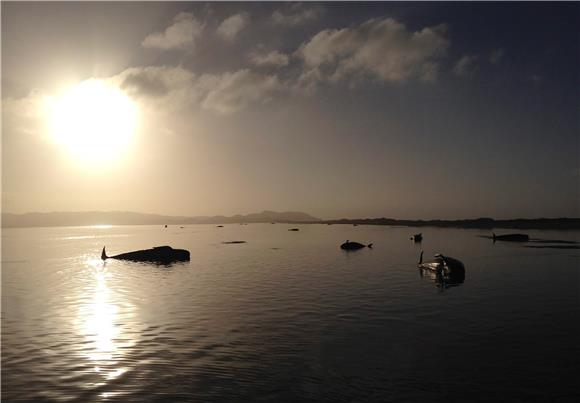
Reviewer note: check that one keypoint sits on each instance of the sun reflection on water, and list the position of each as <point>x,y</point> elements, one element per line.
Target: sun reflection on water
<point>100,323</point>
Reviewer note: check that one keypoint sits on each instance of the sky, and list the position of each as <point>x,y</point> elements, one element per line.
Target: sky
<point>402,110</point>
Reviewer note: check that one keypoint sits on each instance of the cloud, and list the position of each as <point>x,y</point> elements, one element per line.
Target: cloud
<point>154,81</point>
<point>496,55</point>
<point>380,49</point>
<point>231,26</point>
<point>182,34</point>
<point>29,115</point>
<point>273,58</point>
<point>296,14</point>
<point>228,93</point>
<point>176,88</point>
<point>466,66</point>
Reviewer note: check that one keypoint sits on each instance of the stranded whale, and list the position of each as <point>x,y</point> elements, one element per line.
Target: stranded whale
<point>354,245</point>
<point>417,237</point>
<point>511,237</point>
<point>446,270</point>
<point>158,254</point>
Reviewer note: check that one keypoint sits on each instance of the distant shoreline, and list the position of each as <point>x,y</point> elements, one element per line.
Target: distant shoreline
<point>66,219</point>
<point>479,223</point>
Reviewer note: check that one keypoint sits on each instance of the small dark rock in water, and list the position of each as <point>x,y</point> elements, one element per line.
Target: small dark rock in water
<point>294,229</point>
<point>232,242</point>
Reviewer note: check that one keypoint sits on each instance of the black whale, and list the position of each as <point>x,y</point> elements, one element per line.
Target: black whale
<point>511,237</point>
<point>348,245</point>
<point>159,254</point>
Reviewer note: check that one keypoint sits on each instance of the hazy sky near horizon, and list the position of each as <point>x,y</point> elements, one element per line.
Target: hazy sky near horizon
<point>403,110</point>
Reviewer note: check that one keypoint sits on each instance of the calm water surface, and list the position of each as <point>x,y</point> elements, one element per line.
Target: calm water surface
<point>288,316</point>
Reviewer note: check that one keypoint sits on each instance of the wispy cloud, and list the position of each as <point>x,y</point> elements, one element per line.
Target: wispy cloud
<point>231,26</point>
<point>228,93</point>
<point>274,58</point>
<point>182,34</point>
<point>175,88</point>
<point>28,115</point>
<point>382,49</point>
<point>466,66</point>
<point>296,14</point>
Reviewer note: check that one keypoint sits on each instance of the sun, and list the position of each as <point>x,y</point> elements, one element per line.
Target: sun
<point>94,120</point>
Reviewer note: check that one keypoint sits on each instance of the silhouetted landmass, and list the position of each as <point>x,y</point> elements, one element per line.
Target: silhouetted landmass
<point>291,217</point>
<point>482,223</point>
<point>64,219</point>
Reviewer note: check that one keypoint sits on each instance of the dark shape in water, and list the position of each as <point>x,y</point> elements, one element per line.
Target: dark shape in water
<point>450,269</point>
<point>294,229</point>
<point>511,237</point>
<point>443,280</point>
<point>417,237</point>
<point>158,254</point>
<point>165,225</point>
<point>219,226</point>
<point>354,245</point>
<point>232,242</point>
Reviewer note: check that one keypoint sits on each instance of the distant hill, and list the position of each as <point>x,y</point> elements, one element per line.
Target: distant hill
<point>64,219</point>
<point>130,218</point>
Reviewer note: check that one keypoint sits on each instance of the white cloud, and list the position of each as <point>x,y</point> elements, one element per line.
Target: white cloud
<point>228,93</point>
<point>175,88</point>
<point>29,115</point>
<point>466,66</point>
<point>381,49</point>
<point>296,14</point>
<point>183,33</point>
<point>154,81</point>
<point>231,26</point>
<point>273,58</point>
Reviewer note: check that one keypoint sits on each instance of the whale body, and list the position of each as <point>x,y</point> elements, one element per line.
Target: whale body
<point>354,245</point>
<point>442,263</point>
<point>417,237</point>
<point>511,237</point>
<point>158,254</point>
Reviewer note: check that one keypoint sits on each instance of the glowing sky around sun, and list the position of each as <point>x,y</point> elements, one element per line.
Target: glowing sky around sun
<point>404,110</point>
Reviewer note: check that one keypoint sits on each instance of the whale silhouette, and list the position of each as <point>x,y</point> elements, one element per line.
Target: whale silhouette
<point>511,237</point>
<point>354,245</point>
<point>158,254</point>
<point>417,237</point>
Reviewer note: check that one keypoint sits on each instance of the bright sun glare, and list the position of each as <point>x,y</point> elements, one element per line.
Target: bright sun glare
<point>94,120</point>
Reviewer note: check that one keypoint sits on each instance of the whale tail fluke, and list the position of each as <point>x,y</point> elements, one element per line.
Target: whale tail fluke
<point>370,245</point>
<point>493,235</point>
<point>104,254</point>
<point>421,257</point>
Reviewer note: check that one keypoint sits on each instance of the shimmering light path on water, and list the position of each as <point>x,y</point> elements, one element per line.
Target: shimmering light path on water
<point>287,316</point>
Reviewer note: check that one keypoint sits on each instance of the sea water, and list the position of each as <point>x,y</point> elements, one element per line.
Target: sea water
<point>287,316</point>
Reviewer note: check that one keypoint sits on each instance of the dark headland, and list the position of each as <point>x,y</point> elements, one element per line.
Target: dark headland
<point>482,223</point>
<point>291,217</point>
